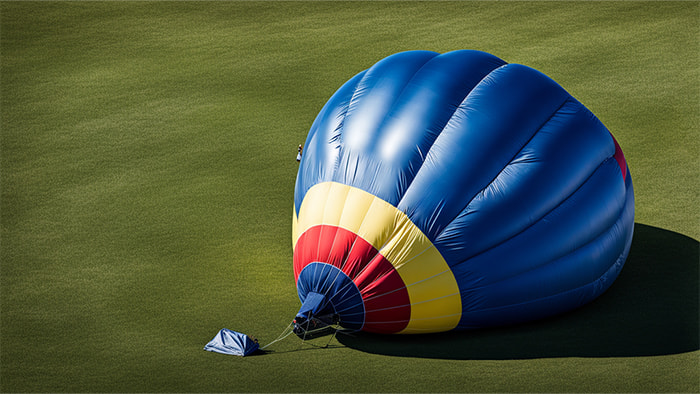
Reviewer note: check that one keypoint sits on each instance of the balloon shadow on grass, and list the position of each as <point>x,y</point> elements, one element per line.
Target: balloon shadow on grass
<point>651,309</point>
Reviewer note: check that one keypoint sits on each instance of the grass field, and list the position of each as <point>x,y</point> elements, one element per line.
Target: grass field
<point>147,170</point>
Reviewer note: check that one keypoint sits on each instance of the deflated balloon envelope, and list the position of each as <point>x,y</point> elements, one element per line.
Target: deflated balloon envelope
<point>456,191</point>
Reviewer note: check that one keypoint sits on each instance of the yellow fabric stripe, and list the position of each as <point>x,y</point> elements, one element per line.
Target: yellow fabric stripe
<point>433,291</point>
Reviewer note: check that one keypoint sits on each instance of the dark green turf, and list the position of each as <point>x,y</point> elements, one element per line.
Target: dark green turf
<point>147,169</point>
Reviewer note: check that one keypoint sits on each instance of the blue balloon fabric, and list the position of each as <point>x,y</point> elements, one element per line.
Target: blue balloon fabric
<point>457,191</point>
<point>233,343</point>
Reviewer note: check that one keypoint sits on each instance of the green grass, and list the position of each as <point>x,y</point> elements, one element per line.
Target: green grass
<point>147,170</point>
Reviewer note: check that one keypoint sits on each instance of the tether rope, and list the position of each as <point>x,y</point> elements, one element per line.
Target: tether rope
<point>283,335</point>
<point>290,330</point>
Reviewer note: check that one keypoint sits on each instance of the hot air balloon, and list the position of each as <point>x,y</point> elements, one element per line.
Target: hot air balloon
<point>455,191</point>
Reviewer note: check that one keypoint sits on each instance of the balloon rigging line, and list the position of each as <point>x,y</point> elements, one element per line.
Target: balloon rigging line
<point>282,336</point>
<point>289,330</point>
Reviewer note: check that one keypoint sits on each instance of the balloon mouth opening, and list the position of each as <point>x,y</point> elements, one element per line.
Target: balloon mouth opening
<point>329,299</point>
<point>316,317</point>
<point>309,327</point>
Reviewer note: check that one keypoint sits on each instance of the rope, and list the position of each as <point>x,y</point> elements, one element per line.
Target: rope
<point>290,329</point>
<point>303,340</point>
<point>283,335</point>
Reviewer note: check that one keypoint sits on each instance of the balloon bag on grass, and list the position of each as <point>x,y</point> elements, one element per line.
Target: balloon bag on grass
<point>233,343</point>
<point>455,191</point>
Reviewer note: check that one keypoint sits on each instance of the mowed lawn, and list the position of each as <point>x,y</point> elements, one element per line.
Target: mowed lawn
<point>147,171</point>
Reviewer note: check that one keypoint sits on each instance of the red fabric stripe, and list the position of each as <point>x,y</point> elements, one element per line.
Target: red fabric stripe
<point>332,245</point>
<point>386,299</point>
<point>620,157</point>
<point>387,305</point>
<point>326,252</point>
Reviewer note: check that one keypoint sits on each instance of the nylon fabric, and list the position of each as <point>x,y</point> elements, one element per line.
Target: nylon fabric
<point>459,191</point>
<point>395,148</point>
<point>464,158</point>
<point>532,308</point>
<point>560,264</point>
<point>540,176</point>
<point>408,254</point>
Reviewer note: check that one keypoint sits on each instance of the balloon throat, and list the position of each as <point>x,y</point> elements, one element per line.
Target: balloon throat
<point>309,326</point>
